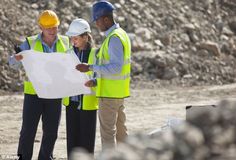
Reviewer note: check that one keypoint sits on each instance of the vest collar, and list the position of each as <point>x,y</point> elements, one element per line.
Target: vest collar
<point>40,38</point>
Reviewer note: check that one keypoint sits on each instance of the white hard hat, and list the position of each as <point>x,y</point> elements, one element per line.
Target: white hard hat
<point>78,27</point>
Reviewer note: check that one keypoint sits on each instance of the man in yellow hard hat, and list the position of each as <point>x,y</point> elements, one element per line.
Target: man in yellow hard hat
<point>47,41</point>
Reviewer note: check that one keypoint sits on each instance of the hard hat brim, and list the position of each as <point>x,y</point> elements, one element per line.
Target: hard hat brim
<point>49,26</point>
<point>71,34</point>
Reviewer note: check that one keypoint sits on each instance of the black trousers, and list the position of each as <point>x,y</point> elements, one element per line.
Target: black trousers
<point>34,108</point>
<point>80,128</point>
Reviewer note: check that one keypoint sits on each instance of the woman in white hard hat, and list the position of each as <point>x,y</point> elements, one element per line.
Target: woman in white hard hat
<point>81,110</point>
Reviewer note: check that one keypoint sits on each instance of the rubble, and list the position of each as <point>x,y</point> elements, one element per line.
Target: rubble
<point>173,28</point>
<point>209,135</point>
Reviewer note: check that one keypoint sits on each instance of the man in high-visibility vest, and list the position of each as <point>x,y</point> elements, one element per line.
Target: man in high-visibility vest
<point>113,75</point>
<point>47,41</point>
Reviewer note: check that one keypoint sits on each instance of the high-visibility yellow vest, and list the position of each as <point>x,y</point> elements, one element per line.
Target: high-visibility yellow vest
<point>90,102</point>
<point>61,46</point>
<point>114,85</point>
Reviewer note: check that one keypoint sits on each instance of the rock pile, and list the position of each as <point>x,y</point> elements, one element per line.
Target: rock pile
<point>180,42</point>
<point>209,135</point>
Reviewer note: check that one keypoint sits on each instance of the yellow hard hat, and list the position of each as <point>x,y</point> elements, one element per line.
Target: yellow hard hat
<point>48,19</point>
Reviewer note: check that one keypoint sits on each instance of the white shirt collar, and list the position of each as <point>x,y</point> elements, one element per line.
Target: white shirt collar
<point>115,26</point>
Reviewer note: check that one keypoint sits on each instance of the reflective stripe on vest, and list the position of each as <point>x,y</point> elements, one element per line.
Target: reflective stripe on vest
<point>35,44</point>
<point>115,85</point>
<point>90,102</point>
<point>115,77</point>
<point>127,61</point>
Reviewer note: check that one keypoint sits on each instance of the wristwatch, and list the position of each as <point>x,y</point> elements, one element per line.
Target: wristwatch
<point>90,67</point>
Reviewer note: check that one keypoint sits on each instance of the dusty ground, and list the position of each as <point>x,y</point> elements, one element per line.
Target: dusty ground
<point>147,109</point>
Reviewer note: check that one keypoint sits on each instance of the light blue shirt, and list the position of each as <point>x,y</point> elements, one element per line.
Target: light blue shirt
<point>25,46</point>
<point>116,53</point>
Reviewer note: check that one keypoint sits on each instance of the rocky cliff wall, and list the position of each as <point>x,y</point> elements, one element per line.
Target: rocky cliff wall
<point>181,42</point>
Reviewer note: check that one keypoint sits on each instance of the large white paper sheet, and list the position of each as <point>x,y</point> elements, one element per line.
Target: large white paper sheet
<point>53,75</point>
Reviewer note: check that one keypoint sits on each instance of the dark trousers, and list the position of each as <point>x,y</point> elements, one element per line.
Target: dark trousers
<point>33,109</point>
<point>80,128</point>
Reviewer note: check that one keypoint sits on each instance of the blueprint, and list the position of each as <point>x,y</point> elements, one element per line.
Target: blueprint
<point>53,75</point>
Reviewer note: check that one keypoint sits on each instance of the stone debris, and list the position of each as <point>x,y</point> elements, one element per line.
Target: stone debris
<point>209,135</point>
<point>198,37</point>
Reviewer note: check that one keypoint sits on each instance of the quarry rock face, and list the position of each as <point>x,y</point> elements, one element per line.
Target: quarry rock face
<point>179,42</point>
